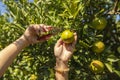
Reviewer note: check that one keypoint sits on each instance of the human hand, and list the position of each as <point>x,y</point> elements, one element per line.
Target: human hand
<point>64,51</point>
<point>33,31</point>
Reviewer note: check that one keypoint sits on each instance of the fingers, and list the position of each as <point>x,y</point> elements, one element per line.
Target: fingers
<point>38,32</point>
<point>44,38</point>
<point>35,30</point>
<point>75,40</point>
<point>59,42</point>
<point>58,48</point>
<point>70,47</point>
<point>45,28</point>
<point>39,28</point>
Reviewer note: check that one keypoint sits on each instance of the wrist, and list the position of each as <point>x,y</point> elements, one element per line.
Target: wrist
<point>26,40</point>
<point>22,41</point>
<point>61,64</point>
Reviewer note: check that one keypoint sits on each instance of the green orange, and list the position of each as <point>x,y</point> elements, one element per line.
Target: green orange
<point>97,66</point>
<point>67,36</point>
<point>98,47</point>
<point>33,77</point>
<point>99,23</point>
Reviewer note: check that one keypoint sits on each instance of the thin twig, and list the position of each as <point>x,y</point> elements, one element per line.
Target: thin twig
<point>115,9</point>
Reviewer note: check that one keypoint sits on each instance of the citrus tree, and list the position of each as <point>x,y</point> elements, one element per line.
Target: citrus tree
<point>97,52</point>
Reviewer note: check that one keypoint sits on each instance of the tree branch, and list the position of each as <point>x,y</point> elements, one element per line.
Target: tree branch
<point>115,9</point>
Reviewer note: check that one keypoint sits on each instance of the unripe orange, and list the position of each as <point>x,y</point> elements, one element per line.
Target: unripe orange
<point>97,66</point>
<point>98,47</point>
<point>99,23</point>
<point>67,36</point>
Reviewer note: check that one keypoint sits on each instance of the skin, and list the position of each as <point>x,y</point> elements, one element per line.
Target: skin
<point>8,54</point>
<point>63,53</point>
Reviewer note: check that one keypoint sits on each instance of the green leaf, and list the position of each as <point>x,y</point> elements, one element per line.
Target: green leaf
<point>118,49</point>
<point>117,72</point>
<point>83,44</point>
<point>109,67</point>
<point>112,58</point>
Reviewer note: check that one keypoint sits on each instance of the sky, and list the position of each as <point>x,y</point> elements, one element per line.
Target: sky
<point>118,17</point>
<point>2,8</point>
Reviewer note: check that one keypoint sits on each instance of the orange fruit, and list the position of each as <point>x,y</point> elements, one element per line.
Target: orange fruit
<point>98,47</point>
<point>97,66</point>
<point>33,77</point>
<point>67,36</point>
<point>99,23</point>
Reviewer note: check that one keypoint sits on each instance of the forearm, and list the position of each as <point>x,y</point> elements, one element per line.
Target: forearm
<point>8,54</point>
<point>61,76</point>
<point>61,70</point>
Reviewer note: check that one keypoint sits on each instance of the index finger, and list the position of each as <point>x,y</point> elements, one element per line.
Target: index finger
<point>75,39</point>
<point>59,42</point>
<point>45,28</point>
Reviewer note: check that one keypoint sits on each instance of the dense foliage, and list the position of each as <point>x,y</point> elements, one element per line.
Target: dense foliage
<point>37,62</point>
